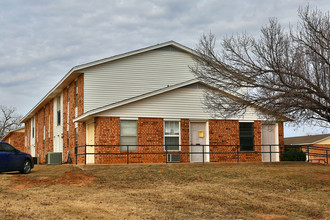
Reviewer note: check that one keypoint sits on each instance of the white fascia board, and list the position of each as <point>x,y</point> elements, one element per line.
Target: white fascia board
<point>134,99</point>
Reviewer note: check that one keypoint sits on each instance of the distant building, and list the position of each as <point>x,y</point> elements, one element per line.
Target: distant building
<point>17,139</point>
<point>320,144</point>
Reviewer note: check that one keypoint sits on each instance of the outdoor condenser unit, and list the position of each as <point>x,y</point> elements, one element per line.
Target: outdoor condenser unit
<point>173,158</point>
<point>54,158</point>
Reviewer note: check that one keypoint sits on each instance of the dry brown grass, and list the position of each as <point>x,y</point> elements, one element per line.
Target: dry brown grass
<point>172,191</point>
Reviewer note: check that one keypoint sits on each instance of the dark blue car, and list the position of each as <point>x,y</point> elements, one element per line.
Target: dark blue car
<point>12,159</point>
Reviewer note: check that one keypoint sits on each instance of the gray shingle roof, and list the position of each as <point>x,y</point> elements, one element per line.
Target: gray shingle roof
<point>311,139</point>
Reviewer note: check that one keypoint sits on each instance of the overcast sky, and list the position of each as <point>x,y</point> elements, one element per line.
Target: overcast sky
<point>40,41</point>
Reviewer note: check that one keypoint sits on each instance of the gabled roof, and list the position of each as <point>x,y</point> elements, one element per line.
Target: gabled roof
<point>75,71</point>
<point>134,52</point>
<point>311,139</point>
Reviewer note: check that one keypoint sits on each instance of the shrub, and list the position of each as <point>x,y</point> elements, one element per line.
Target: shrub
<point>293,154</point>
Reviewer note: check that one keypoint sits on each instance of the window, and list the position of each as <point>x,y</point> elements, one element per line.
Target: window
<point>246,139</point>
<point>32,122</point>
<point>58,106</point>
<point>76,95</point>
<point>128,135</point>
<point>172,134</point>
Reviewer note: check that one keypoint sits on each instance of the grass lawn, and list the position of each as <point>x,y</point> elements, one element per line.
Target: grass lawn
<point>168,191</point>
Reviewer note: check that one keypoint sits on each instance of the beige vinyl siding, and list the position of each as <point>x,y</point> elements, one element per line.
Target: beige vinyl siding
<point>179,103</point>
<point>132,76</point>
<point>326,141</point>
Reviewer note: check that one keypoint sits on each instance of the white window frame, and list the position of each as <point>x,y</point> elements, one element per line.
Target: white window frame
<point>174,120</point>
<point>137,133</point>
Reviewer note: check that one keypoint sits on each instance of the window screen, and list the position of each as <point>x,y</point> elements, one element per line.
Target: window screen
<point>246,138</point>
<point>128,135</point>
<point>172,134</point>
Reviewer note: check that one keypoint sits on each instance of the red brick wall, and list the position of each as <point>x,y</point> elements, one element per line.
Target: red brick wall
<point>249,156</point>
<point>40,144</point>
<point>150,132</point>
<point>69,138</point>
<point>185,140</point>
<point>27,135</point>
<point>281,137</point>
<point>17,140</point>
<point>321,157</point>
<point>226,132</point>
<point>43,146</point>
<point>72,131</point>
<point>223,132</point>
<point>107,132</point>
<point>49,127</point>
<point>65,125</point>
<point>81,125</point>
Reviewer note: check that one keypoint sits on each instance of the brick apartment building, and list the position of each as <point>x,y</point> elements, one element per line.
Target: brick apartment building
<point>141,98</point>
<point>318,146</point>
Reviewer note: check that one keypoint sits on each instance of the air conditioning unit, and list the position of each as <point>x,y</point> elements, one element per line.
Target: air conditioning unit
<point>174,158</point>
<point>54,158</point>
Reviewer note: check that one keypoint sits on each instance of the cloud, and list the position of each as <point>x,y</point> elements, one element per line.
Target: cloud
<point>40,41</point>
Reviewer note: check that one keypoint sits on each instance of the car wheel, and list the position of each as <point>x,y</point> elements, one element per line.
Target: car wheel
<point>26,167</point>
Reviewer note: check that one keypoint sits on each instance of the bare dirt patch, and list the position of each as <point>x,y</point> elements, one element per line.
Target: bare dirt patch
<point>271,216</point>
<point>68,178</point>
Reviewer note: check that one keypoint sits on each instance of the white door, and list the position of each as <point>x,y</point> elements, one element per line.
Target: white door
<point>269,140</point>
<point>33,150</point>
<point>90,141</point>
<point>198,141</point>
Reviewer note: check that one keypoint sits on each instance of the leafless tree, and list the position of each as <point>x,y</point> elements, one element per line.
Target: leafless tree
<point>9,120</point>
<point>286,72</point>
